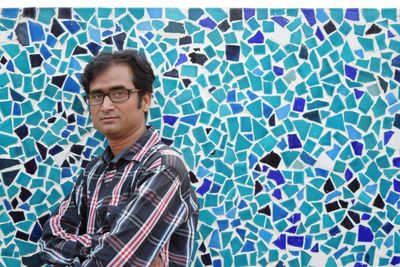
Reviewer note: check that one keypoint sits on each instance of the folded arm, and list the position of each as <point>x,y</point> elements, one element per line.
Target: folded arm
<point>64,239</point>
<point>154,211</point>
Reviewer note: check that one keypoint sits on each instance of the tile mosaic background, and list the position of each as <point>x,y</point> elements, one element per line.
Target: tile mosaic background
<point>289,119</point>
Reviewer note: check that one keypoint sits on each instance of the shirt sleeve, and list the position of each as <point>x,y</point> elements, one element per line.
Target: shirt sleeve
<point>64,241</point>
<point>153,213</point>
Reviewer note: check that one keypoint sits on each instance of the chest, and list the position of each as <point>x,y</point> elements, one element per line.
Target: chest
<point>109,191</point>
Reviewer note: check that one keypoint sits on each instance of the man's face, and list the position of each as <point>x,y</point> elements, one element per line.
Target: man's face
<point>118,121</point>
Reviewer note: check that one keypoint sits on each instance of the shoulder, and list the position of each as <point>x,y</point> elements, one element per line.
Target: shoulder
<point>167,157</point>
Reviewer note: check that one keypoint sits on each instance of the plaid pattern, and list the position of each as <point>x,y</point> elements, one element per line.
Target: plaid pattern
<point>126,210</point>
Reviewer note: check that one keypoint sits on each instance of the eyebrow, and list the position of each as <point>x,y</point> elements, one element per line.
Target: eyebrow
<point>112,88</point>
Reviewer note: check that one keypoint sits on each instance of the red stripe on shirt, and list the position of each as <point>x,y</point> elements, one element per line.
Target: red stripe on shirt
<point>55,224</point>
<point>165,255</point>
<point>155,164</point>
<point>170,152</point>
<point>153,140</point>
<point>138,238</point>
<point>117,190</point>
<point>92,209</point>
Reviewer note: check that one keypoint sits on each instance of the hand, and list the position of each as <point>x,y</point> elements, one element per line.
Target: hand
<point>157,262</point>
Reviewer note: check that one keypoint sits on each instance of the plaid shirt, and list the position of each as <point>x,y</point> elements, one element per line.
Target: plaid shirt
<point>126,211</point>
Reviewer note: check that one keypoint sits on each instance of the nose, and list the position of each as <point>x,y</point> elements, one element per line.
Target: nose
<point>107,104</point>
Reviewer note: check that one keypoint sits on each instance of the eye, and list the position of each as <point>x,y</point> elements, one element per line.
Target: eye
<point>96,97</point>
<point>118,93</point>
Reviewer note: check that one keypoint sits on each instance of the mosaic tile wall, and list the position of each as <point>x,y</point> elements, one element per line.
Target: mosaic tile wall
<point>289,119</point>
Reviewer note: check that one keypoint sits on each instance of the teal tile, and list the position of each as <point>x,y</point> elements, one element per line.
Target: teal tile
<point>49,138</point>
<point>12,261</point>
<point>336,39</point>
<point>337,104</point>
<point>290,61</point>
<point>351,117</point>
<point>364,123</point>
<point>381,41</point>
<point>389,13</point>
<point>337,14</point>
<point>296,37</point>
<point>326,68</point>
<point>366,43</point>
<point>370,141</point>
<point>365,103</point>
<point>336,122</point>
<point>215,37</point>
<point>304,70</point>
<point>241,143</point>
<point>324,49</point>
<point>217,14</point>
<point>237,25</point>
<point>370,14</point>
<point>314,59</point>
<point>279,55</point>
<point>53,197</point>
<point>375,65</point>
<point>359,30</point>
<point>307,31</point>
<point>22,62</point>
<point>365,77</point>
<point>174,14</point>
<point>350,102</point>
<point>379,108</point>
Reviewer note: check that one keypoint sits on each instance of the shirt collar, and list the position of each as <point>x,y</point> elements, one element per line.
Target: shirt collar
<point>136,151</point>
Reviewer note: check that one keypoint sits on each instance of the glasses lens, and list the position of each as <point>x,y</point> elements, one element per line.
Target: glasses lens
<point>119,95</point>
<point>95,99</point>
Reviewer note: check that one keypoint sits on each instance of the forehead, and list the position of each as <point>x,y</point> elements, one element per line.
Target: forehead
<point>114,75</point>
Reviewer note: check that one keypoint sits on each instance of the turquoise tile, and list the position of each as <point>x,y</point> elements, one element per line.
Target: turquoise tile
<point>268,26</point>
<point>370,141</point>
<point>314,59</point>
<point>394,45</point>
<point>290,61</point>
<point>379,108</point>
<point>347,53</point>
<point>279,55</point>
<point>370,14</point>
<point>21,62</point>
<point>174,14</point>
<point>237,25</point>
<point>324,49</point>
<point>337,14</point>
<point>217,14</point>
<point>389,13</point>
<point>137,13</point>
<point>304,70</point>
<point>365,77</point>
<point>375,65</point>
<point>380,40</point>
<point>214,37</point>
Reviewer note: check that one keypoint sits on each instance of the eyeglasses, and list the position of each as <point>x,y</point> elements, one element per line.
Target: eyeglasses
<point>116,96</point>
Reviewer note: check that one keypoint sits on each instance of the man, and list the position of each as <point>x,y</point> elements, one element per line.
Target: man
<point>134,205</point>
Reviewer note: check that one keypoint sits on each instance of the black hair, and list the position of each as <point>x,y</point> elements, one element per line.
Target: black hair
<point>143,75</point>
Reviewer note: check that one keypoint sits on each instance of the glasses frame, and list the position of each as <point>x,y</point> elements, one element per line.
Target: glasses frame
<point>130,91</point>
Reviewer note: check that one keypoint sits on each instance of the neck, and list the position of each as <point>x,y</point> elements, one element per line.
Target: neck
<point>119,144</point>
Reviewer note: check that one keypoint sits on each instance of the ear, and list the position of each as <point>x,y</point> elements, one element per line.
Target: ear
<point>146,101</point>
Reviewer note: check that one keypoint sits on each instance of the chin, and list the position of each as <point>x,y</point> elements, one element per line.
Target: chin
<point>108,131</point>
